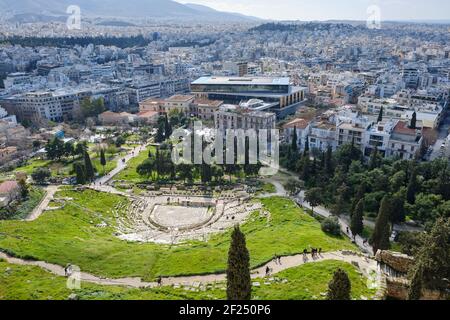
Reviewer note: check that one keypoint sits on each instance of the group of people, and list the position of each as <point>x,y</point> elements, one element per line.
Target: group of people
<point>314,252</point>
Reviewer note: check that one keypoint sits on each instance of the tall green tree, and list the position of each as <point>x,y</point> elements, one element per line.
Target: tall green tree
<point>431,268</point>
<point>382,231</point>
<point>238,272</point>
<point>413,187</point>
<point>294,144</point>
<point>146,168</point>
<point>360,193</point>
<point>80,172</point>
<point>103,159</point>
<point>40,175</point>
<point>314,197</point>
<point>357,219</point>
<point>374,160</point>
<point>398,208</point>
<point>24,189</point>
<point>90,172</point>
<point>167,128</point>
<point>380,115</point>
<point>160,133</point>
<point>340,286</point>
<point>328,166</point>
<point>413,123</point>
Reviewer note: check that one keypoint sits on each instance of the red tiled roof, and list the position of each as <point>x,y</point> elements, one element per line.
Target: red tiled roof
<point>402,128</point>
<point>8,186</point>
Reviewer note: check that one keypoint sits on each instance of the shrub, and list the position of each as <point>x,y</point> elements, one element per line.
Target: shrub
<point>331,226</point>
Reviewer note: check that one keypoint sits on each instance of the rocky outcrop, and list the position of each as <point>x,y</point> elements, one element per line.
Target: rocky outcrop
<point>397,261</point>
<point>398,289</point>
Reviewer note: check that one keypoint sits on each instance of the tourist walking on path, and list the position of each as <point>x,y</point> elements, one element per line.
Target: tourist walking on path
<point>159,281</point>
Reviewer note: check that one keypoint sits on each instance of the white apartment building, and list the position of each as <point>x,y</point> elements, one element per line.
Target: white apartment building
<point>405,143</point>
<point>139,92</point>
<point>378,136</point>
<point>351,128</point>
<point>322,135</point>
<point>51,105</point>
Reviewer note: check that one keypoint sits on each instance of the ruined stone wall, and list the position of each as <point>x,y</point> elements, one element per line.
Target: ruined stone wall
<point>397,261</point>
<point>398,289</point>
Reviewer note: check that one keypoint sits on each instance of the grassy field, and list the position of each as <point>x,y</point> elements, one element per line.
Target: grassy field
<point>129,173</point>
<point>307,282</point>
<point>310,282</point>
<point>63,168</point>
<point>71,235</point>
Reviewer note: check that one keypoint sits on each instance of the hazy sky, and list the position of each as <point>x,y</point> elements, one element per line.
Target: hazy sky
<point>333,9</point>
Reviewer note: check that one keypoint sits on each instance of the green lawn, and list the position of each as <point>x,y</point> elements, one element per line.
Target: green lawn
<point>63,168</point>
<point>268,188</point>
<point>307,282</point>
<point>70,235</point>
<point>129,173</point>
<point>310,282</point>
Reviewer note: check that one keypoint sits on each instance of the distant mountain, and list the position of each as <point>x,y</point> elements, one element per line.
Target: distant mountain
<point>162,9</point>
<point>210,11</point>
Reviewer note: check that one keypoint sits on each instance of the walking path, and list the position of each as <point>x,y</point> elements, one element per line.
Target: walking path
<point>281,191</point>
<point>121,164</point>
<point>36,213</point>
<point>367,266</point>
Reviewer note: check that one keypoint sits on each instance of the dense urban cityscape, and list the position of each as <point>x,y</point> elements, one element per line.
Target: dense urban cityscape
<point>93,205</point>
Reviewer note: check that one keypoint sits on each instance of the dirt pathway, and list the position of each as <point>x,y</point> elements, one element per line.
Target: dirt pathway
<point>366,265</point>
<point>36,213</point>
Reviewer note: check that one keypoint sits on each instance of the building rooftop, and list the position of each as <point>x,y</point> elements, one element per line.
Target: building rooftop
<point>8,186</point>
<point>180,98</point>
<point>243,81</point>
<point>297,123</point>
<point>208,103</point>
<point>402,128</point>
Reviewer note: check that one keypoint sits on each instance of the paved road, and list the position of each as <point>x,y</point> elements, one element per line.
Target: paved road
<point>36,213</point>
<point>443,133</point>
<point>366,265</point>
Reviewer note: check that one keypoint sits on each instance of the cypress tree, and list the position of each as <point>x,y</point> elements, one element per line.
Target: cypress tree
<point>80,173</point>
<point>382,232</point>
<point>380,115</point>
<point>307,145</point>
<point>359,195</point>
<point>295,141</point>
<point>90,173</point>
<point>340,286</point>
<point>398,209</point>
<point>329,161</point>
<point>103,159</point>
<point>413,124</point>
<point>357,219</point>
<point>167,128</point>
<point>373,162</point>
<point>412,187</point>
<point>238,271</point>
